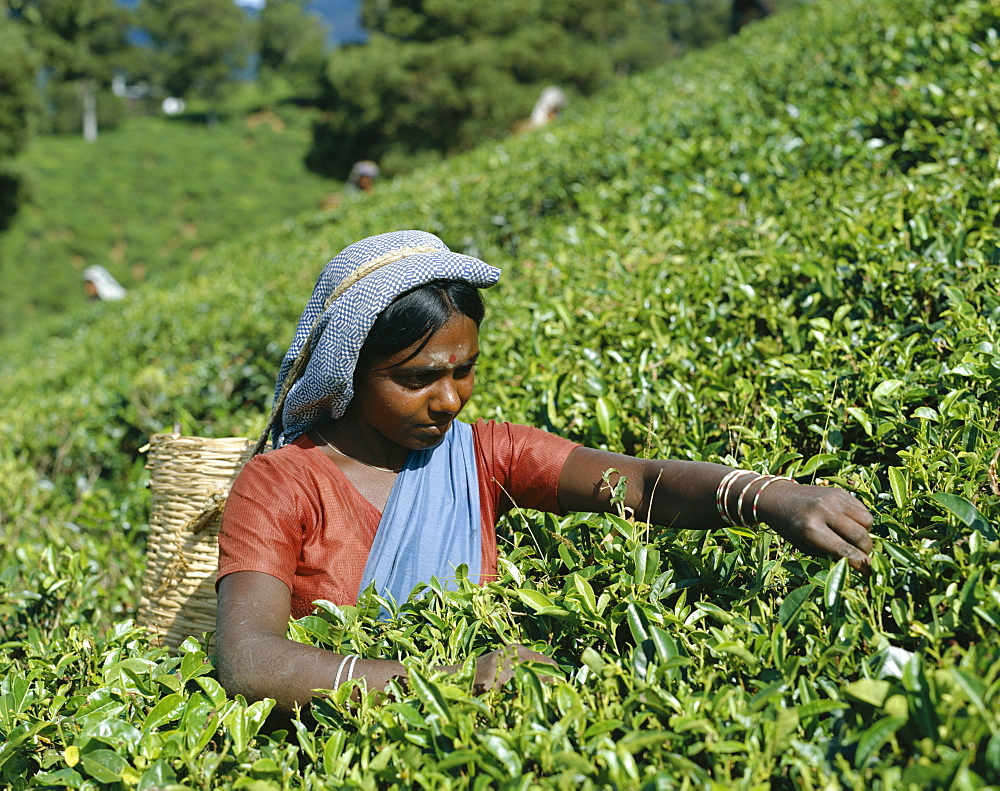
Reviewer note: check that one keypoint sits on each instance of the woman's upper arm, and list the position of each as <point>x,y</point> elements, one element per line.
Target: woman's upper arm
<point>251,603</point>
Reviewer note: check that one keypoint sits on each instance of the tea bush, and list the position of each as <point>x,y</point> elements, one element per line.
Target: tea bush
<point>780,253</point>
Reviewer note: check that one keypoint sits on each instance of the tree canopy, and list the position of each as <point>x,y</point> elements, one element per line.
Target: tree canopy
<point>81,43</point>
<point>292,46</point>
<point>196,45</point>
<point>79,39</point>
<point>17,103</point>
<point>440,75</point>
<point>17,88</point>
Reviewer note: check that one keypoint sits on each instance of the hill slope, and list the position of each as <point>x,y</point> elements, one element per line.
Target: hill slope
<point>781,252</point>
<point>144,197</point>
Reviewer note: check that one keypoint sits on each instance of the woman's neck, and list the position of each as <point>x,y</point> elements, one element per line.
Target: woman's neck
<point>362,444</point>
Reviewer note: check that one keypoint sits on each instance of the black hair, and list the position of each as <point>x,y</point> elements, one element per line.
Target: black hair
<point>417,315</point>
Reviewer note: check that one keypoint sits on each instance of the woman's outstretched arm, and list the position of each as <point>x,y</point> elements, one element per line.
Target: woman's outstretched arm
<point>819,520</point>
<point>256,660</point>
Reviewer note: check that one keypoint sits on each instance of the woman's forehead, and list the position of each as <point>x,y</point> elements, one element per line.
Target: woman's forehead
<point>453,345</point>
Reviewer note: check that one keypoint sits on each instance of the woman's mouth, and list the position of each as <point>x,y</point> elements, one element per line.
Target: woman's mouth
<point>438,429</point>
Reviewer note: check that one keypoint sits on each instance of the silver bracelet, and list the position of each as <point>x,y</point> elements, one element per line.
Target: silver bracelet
<point>350,669</point>
<point>737,520</point>
<point>739,502</point>
<point>340,669</point>
<point>756,497</point>
<point>722,494</point>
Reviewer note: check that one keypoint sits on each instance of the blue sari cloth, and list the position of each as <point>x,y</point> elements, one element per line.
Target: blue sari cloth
<point>431,523</point>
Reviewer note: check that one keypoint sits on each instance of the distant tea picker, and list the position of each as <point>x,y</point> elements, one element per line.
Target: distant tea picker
<point>373,479</point>
<point>363,176</point>
<point>547,109</point>
<point>100,284</point>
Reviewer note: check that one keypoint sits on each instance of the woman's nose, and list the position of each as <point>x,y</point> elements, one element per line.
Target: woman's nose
<point>447,397</point>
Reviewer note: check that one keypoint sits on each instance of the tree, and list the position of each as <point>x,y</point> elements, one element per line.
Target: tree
<point>18,102</point>
<point>292,47</point>
<point>197,45</point>
<point>81,42</point>
<point>745,12</point>
<point>440,75</point>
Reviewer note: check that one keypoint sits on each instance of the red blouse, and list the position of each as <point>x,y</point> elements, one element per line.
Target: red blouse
<point>294,515</point>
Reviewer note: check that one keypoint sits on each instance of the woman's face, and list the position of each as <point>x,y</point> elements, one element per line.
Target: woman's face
<point>412,401</point>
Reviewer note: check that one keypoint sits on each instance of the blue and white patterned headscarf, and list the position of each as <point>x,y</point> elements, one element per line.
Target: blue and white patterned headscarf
<point>363,280</point>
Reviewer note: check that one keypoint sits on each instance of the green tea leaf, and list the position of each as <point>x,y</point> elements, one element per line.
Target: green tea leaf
<point>605,412</point>
<point>793,604</point>
<point>900,485</point>
<point>333,754</point>
<point>168,708</point>
<point>430,695</point>
<point>875,737</point>
<point>508,757</point>
<point>886,389</point>
<point>593,660</point>
<point>965,512</point>
<point>869,690</point>
<point>539,602</point>
<point>835,581</point>
<point>737,649</point>
<point>586,593</point>
<point>972,687</point>
<point>638,622</point>
<point>104,766</point>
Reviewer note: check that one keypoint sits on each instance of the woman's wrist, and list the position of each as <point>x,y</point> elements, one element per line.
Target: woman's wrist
<point>740,497</point>
<point>769,498</point>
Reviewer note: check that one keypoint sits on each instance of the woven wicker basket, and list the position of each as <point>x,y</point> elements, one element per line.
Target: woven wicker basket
<point>190,480</point>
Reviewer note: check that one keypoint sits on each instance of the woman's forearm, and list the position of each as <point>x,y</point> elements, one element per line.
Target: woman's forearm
<point>821,520</point>
<point>677,493</point>
<point>267,666</point>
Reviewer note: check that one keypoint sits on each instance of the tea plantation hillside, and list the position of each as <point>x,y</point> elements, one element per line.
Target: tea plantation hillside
<point>781,253</point>
<point>142,198</point>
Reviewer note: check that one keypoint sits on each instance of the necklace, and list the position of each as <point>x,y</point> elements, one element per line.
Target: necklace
<point>337,450</point>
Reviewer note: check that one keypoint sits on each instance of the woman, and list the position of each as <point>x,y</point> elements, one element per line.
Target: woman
<point>374,481</point>
<point>100,284</point>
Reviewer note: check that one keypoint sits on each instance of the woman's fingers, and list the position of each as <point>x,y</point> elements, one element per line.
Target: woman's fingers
<point>855,532</point>
<point>858,558</point>
<point>818,537</point>
<point>838,535</point>
<point>857,511</point>
<point>496,668</point>
<point>822,520</point>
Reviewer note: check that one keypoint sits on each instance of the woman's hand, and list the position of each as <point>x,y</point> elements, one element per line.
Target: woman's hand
<point>820,520</point>
<point>496,668</point>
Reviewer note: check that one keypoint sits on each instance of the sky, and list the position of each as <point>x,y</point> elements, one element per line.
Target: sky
<point>340,16</point>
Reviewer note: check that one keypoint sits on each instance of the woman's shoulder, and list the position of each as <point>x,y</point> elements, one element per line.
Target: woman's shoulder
<point>520,463</point>
<point>288,461</point>
<point>493,434</point>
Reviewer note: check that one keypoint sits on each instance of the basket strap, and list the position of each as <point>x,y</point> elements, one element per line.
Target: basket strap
<point>305,353</point>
